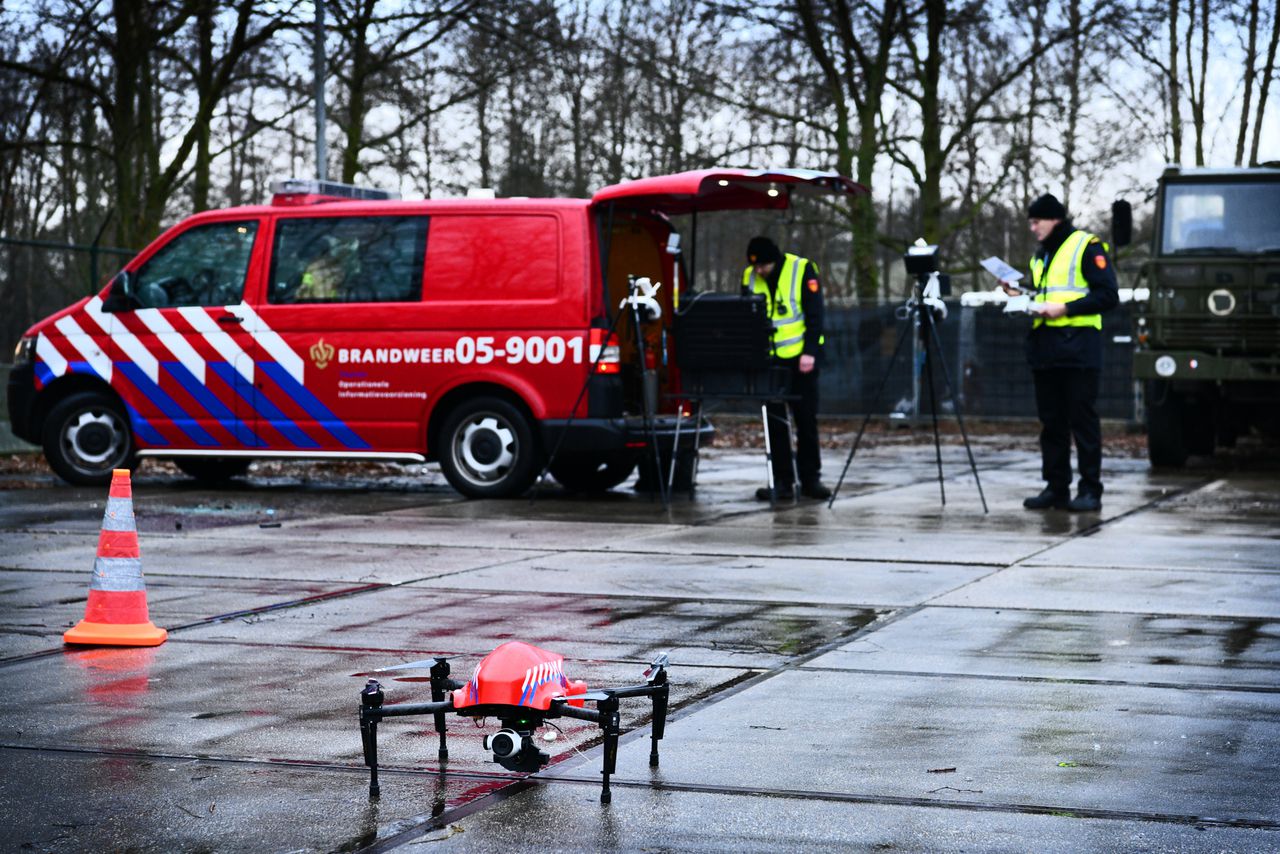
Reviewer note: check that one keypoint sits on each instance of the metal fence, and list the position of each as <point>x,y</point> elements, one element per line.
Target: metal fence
<point>983,350</point>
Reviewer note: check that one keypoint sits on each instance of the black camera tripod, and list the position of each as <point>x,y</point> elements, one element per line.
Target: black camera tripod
<point>918,311</point>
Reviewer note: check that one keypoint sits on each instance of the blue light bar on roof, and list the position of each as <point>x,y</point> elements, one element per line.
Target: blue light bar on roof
<point>332,189</point>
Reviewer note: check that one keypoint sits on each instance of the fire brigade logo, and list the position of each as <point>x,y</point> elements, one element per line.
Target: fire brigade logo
<point>321,354</point>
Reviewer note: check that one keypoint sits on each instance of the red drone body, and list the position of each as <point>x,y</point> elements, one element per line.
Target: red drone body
<point>518,674</point>
<point>522,686</point>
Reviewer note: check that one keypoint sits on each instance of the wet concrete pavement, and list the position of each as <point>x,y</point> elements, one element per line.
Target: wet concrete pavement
<point>887,674</point>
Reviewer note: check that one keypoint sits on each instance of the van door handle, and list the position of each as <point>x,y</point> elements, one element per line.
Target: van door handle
<point>231,318</point>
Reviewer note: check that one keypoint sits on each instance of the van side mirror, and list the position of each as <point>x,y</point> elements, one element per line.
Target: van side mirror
<point>120,296</point>
<point>1121,223</point>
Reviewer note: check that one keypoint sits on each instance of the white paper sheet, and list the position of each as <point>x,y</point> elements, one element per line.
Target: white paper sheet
<point>998,268</point>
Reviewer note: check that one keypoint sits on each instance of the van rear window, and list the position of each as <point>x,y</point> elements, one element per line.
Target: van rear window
<point>347,259</point>
<point>493,258</point>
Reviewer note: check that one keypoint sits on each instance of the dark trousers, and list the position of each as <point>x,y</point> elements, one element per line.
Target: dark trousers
<point>804,408</point>
<point>1065,402</point>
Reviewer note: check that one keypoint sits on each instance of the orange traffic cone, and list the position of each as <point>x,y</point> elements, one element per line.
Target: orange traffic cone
<point>116,614</point>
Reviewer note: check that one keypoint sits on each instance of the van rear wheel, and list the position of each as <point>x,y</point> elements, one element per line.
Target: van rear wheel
<point>86,437</point>
<point>487,449</point>
<point>593,472</point>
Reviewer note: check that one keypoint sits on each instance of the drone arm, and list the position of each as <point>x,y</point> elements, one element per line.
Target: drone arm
<point>405,709</point>
<point>560,706</point>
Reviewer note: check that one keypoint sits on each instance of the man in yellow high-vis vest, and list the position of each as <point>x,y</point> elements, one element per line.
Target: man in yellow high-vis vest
<point>794,294</point>
<point>1074,284</point>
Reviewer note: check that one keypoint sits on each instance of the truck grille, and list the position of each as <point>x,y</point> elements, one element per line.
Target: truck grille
<point>1240,335</point>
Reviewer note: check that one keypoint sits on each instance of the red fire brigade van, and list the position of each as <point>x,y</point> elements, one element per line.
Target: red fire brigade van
<point>336,324</point>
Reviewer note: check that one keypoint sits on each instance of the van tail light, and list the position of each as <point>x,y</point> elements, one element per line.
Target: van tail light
<point>604,353</point>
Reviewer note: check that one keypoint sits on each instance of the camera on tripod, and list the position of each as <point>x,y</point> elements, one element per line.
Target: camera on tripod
<point>924,310</point>
<point>921,261</point>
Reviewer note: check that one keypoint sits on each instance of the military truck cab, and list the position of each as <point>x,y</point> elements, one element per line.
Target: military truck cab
<point>1209,334</point>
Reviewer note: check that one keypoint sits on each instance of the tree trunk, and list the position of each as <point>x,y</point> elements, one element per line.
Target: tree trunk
<point>1250,69</point>
<point>931,123</point>
<point>1175,93</point>
<point>1264,86</point>
<point>1075,53</point>
<point>204,88</point>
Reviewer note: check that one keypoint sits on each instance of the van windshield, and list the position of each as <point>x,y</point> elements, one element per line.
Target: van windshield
<point>1234,217</point>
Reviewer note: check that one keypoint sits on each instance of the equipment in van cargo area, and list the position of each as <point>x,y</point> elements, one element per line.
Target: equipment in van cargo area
<point>724,347</point>
<point>723,332</point>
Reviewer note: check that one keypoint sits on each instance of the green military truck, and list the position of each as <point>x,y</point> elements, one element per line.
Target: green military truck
<point>1208,334</point>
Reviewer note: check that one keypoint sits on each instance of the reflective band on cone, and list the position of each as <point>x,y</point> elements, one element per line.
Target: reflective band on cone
<point>116,613</point>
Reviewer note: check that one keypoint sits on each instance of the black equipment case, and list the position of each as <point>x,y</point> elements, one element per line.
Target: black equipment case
<point>724,347</point>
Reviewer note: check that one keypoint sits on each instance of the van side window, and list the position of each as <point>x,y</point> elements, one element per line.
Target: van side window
<point>348,259</point>
<point>493,257</point>
<point>205,265</point>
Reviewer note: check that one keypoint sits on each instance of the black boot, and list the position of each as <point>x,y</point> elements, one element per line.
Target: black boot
<point>1085,502</point>
<point>815,489</point>
<point>780,493</point>
<point>1048,499</point>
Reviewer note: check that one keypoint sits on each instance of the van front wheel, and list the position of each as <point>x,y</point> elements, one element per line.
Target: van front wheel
<point>86,437</point>
<point>487,449</point>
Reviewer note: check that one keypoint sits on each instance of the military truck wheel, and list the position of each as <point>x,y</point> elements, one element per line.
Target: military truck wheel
<point>1165,444</point>
<point>1198,430</point>
<point>487,449</point>
<point>212,469</point>
<point>593,472</point>
<point>86,437</point>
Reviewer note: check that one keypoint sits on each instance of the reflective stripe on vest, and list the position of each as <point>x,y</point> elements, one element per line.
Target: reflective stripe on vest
<point>785,311</point>
<point>1064,282</point>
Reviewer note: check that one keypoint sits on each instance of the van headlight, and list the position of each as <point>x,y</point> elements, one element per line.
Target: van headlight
<point>25,352</point>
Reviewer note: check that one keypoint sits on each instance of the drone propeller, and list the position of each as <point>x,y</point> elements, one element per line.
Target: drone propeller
<point>424,664</point>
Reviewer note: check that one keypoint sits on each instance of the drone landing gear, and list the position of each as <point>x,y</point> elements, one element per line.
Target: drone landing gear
<point>606,715</point>
<point>372,711</point>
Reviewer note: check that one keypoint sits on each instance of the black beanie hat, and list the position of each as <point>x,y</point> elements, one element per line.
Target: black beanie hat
<point>762,250</point>
<point>1046,207</point>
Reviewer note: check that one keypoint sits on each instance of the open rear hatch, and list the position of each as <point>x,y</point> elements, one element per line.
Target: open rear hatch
<point>635,239</point>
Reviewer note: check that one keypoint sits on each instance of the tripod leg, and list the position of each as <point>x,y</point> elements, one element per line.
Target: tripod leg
<point>795,468</point>
<point>650,417</point>
<point>955,399</point>
<point>884,380</point>
<point>675,446</point>
<point>768,453</point>
<point>697,441</point>
<point>933,397</point>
